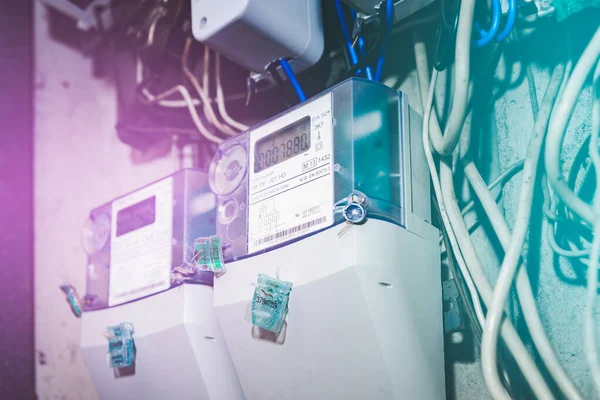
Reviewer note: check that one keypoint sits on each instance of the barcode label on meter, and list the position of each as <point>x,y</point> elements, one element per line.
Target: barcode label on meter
<point>290,231</point>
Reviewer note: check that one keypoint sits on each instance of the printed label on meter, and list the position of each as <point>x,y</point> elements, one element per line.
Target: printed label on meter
<point>291,176</point>
<point>140,243</point>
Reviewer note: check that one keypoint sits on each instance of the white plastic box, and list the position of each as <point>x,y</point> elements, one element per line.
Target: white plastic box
<point>253,33</point>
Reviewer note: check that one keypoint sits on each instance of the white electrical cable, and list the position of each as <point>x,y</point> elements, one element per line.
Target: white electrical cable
<point>558,124</point>
<point>193,113</point>
<point>438,193</point>
<point>446,144</point>
<point>473,266</point>
<point>208,110</point>
<point>504,177</point>
<point>423,79</point>
<point>511,262</point>
<point>206,71</point>
<point>526,296</point>
<point>139,75</point>
<point>221,100</point>
<point>508,332</point>
<point>591,347</point>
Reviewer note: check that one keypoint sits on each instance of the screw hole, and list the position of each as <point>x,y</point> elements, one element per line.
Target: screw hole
<point>209,338</point>
<point>203,22</point>
<point>385,284</point>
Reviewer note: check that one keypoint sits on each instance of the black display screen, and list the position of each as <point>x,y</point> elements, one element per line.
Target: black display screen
<point>282,145</point>
<point>136,216</point>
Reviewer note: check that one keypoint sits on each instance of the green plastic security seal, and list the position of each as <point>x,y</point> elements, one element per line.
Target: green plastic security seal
<point>72,299</point>
<point>208,255</point>
<point>121,346</point>
<point>270,303</point>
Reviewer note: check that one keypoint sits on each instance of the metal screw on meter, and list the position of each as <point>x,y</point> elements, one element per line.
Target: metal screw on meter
<point>354,213</point>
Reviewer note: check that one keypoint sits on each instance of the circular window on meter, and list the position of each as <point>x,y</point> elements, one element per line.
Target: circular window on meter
<point>228,169</point>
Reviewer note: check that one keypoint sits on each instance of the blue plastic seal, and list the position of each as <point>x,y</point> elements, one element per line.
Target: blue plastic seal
<point>270,303</point>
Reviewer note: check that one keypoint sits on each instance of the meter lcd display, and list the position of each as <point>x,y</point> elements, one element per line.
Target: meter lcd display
<point>136,216</point>
<point>282,145</point>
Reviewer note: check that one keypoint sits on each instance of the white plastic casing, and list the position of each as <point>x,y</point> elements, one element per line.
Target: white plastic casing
<point>180,351</point>
<point>365,310</point>
<point>253,33</point>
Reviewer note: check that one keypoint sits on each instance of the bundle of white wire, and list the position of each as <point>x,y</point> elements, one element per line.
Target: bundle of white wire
<point>495,324</point>
<point>230,126</point>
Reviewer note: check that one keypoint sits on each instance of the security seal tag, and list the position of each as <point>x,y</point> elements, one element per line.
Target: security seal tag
<point>208,255</point>
<point>270,303</point>
<point>121,346</point>
<point>72,299</point>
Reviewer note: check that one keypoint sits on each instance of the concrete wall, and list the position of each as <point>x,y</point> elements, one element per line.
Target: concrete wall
<point>79,164</point>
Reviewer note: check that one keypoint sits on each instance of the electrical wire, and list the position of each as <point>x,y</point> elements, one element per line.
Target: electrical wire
<point>549,209</point>
<point>292,78</point>
<point>504,177</point>
<point>206,71</point>
<point>525,286</point>
<point>527,366</point>
<point>488,36</point>
<point>510,20</point>
<point>423,79</point>
<point>445,36</point>
<point>351,49</point>
<point>466,275</point>
<point>513,253</point>
<point>456,275</point>
<point>591,347</point>
<point>221,99</point>
<point>204,131</point>
<point>206,103</point>
<point>508,332</point>
<point>349,45</point>
<point>558,124</point>
<point>361,46</point>
<point>445,145</point>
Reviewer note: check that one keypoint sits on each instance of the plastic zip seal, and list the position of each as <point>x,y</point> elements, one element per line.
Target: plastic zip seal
<point>121,346</point>
<point>269,305</point>
<point>208,255</point>
<point>72,299</point>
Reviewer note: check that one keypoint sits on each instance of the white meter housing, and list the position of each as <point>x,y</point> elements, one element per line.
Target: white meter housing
<point>254,33</point>
<point>332,197</point>
<point>135,243</point>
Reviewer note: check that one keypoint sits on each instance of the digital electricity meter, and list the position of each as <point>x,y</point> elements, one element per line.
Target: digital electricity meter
<point>135,242</point>
<point>138,246</point>
<point>324,216</point>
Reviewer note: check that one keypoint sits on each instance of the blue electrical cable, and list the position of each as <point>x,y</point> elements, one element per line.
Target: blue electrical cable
<point>351,50</point>
<point>292,78</point>
<point>389,9</point>
<point>510,21</point>
<point>487,37</point>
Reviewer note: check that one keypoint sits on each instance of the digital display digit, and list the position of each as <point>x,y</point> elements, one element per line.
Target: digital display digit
<point>136,216</point>
<point>282,145</point>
